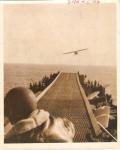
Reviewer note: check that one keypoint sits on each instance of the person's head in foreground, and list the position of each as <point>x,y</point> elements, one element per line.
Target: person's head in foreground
<point>31,125</point>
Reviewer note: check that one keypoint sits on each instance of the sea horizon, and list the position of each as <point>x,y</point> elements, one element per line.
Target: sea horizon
<point>11,63</point>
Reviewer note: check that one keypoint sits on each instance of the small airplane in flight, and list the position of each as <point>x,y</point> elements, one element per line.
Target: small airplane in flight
<point>75,52</point>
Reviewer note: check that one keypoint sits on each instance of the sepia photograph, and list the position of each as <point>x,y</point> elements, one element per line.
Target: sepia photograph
<point>60,73</point>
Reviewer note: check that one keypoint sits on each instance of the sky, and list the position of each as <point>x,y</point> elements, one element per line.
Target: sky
<point>41,33</point>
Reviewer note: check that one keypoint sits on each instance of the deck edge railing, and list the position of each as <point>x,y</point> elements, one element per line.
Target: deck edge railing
<point>47,88</point>
<point>95,126</point>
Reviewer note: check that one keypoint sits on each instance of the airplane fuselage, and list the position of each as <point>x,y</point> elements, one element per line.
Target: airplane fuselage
<point>75,52</point>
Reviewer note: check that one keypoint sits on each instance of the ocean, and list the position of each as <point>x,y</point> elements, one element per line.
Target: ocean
<point>22,74</point>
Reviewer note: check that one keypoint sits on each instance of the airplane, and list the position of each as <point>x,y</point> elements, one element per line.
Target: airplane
<point>75,52</point>
<point>93,95</point>
<point>96,93</point>
<point>102,115</point>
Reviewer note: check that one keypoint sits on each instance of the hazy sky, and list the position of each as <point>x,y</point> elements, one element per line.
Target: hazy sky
<point>41,33</point>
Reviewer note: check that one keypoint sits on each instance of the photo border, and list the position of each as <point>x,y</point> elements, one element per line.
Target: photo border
<point>55,146</point>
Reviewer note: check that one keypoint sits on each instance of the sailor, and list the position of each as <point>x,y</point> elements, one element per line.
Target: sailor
<point>32,125</point>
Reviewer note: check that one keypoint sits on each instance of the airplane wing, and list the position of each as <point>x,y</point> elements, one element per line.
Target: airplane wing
<point>93,95</point>
<point>104,120</point>
<point>69,52</point>
<point>82,49</point>
<point>75,51</point>
<point>102,115</point>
